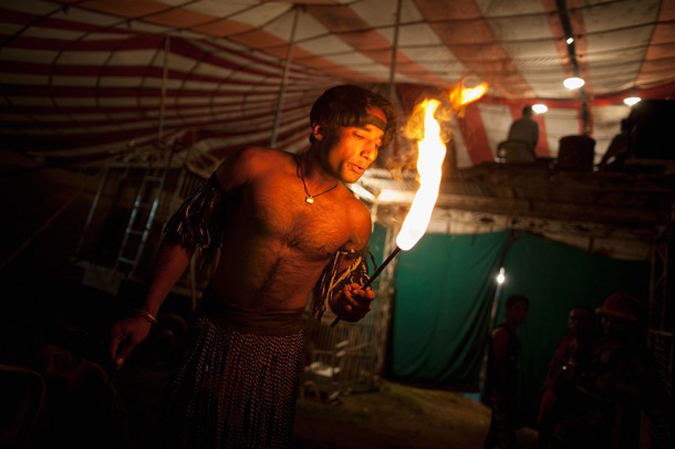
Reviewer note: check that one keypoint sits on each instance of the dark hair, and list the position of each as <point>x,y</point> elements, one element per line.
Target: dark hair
<point>347,105</point>
<point>527,110</point>
<point>514,299</point>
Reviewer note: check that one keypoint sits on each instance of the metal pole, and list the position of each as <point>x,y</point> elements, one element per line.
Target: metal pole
<point>92,210</point>
<point>385,294</point>
<point>284,78</point>
<point>566,24</point>
<point>394,50</point>
<point>162,99</point>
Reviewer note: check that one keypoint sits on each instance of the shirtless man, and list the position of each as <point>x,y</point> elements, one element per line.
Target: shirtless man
<point>286,224</point>
<point>501,383</point>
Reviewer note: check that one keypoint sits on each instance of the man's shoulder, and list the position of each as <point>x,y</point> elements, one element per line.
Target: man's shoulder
<point>357,217</point>
<point>355,207</point>
<point>501,332</point>
<point>265,154</point>
<point>250,163</point>
<point>258,159</point>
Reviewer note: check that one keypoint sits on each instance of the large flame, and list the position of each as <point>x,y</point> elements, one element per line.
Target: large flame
<point>431,152</point>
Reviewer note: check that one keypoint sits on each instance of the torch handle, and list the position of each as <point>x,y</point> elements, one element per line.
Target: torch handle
<point>372,278</point>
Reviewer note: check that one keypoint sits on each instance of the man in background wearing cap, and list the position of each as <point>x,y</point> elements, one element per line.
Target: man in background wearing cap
<point>621,380</point>
<point>287,224</point>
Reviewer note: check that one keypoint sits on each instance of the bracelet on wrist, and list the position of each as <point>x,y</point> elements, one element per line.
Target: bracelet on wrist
<point>146,316</point>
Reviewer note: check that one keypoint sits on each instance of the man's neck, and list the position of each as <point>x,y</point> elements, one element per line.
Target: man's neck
<point>312,169</point>
<point>511,324</point>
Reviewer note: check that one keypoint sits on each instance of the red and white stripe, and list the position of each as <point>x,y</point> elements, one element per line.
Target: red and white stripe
<point>82,78</point>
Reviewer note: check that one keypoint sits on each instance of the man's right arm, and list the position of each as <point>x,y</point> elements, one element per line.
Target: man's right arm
<point>128,333</point>
<point>500,345</point>
<point>175,256</point>
<point>171,263</point>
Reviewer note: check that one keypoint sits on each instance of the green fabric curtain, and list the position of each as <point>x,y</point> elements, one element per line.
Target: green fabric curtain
<point>445,289</point>
<point>442,306</point>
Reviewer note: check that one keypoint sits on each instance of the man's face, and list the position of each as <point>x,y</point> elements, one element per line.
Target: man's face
<point>518,312</point>
<point>351,150</point>
<point>614,327</point>
<point>579,320</point>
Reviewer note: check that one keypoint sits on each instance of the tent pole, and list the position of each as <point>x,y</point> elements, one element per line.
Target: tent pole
<point>394,51</point>
<point>284,78</point>
<point>482,376</point>
<point>566,24</point>
<point>162,98</point>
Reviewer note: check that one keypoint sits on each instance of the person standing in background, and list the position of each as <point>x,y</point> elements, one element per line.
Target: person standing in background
<point>570,360</point>
<point>501,382</point>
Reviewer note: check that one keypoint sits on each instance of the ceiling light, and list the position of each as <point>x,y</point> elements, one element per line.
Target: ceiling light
<point>573,82</point>
<point>539,108</point>
<point>630,101</point>
<point>569,40</point>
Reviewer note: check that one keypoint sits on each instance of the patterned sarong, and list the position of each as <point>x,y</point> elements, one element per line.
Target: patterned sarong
<point>236,389</point>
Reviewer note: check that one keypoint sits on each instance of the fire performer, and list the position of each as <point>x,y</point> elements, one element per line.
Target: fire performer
<point>286,224</point>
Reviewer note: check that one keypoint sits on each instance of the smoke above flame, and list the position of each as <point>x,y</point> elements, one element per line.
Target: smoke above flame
<point>452,104</point>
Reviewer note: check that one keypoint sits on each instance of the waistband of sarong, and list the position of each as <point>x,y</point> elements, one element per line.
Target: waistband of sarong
<point>247,320</point>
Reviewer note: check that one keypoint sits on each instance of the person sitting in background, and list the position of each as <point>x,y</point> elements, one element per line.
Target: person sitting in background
<point>522,139</point>
<point>525,129</point>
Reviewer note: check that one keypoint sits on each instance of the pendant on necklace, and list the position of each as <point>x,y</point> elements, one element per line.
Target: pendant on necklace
<point>309,199</point>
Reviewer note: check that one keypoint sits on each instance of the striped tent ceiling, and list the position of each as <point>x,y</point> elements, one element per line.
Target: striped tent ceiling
<point>83,79</point>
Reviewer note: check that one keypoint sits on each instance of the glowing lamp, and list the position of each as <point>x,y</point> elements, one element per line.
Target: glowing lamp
<point>630,101</point>
<point>573,82</point>
<point>501,277</point>
<point>539,108</point>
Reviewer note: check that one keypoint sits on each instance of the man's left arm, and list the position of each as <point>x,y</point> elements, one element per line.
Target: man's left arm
<point>350,301</point>
<point>353,302</point>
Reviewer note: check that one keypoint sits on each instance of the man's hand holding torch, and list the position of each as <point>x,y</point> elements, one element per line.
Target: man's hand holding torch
<point>353,303</point>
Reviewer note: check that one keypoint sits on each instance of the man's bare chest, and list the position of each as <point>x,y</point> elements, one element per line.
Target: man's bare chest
<point>278,211</point>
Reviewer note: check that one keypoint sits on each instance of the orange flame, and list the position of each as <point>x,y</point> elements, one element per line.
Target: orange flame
<point>431,152</point>
<point>460,96</point>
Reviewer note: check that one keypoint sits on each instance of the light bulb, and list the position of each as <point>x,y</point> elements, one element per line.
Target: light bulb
<point>501,277</point>
<point>630,101</point>
<point>573,82</point>
<point>539,108</point>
